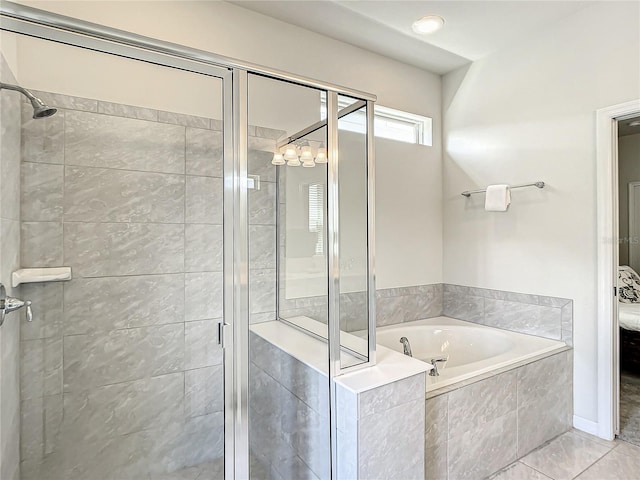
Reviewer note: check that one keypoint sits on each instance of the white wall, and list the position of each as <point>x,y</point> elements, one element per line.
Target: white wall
<point>527,113</point>
<point>232,31</point>
<point>628,171</point>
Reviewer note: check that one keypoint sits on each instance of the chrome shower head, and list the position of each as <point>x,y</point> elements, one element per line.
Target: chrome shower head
<point>40,109</point>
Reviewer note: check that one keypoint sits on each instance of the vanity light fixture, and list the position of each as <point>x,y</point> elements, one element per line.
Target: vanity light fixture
<point>278,159</point>
<point>321,156</point>
<point>635,123</point>
<point>307,157</point>
<point>428,24</point>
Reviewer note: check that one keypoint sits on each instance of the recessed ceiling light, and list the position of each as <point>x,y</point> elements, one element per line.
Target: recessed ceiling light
<point>428,24</point>
<point>635,123</point>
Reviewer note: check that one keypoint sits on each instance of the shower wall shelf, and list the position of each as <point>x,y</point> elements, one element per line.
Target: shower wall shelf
<point>35,275</point>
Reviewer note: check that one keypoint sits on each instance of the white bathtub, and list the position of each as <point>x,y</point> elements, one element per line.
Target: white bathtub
<point>471,349</point>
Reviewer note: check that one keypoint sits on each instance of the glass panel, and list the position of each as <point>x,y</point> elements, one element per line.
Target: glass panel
<point>352,186</point>
<point>288,284</point>
<point>122,375</point>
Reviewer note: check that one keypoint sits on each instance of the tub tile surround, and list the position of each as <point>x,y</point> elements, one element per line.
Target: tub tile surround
<point>475,430</point>
<point>9,260</point>
<point>548,317</point>
<point>144,375</point>
<point>380,429</point>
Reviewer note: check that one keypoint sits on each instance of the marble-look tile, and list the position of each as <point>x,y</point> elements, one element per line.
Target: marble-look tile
<point>480,403</point>
<point>354,311</point>
<point>613,466</point>
<point>429,301</point>
<point>307,432</point>
<point>123,302</point>
<point>262,290</point>
<point>483,450</point>
<point>566,456</point>
<point>53,417</point>
<point>469,308</point>
<point>204,200</point>
<point>544,411</point>
<point>435,461</point>
<point>41,367</point>
<point>567,323</point>
<point>266,355</point>
<point>262,317</point>
<point>271,133</point>
<point>436,421</point>
<point>43,138</point>
<point>262,246</point>
<point>184,120</point>
<point>294,467</point>
<point>123,408</point>
<point>523,318</point>
<point>203,295</point>
<point>122,355</point>
<point>47,311</point>
<point>201,344</point>
<point>10,397</point>
<point>306,383</point>
<point>41,244</point>
<point>519,471</point>
<point>32,429</point>
<point>203,248</point>
<point>10,155</point>
<point>626,448</point>
<point>203,391</point>
<point>128,111</point>
<point>42,192</point>
<point>259,163</point>
<point>216,124</point>
<point>108,249</point>
<point>202,442</point>
<point>10,237</point>
<point>262,205</point>
<point>204,152</point>
<point>391,310</point>
<point>391,443</point>
<point>109,195</point>
<point>383,398</point>
<point>94,140</point>
<point>60,100</point>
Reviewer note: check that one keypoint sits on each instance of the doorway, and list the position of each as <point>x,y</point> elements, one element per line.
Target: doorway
<point>628,146</point>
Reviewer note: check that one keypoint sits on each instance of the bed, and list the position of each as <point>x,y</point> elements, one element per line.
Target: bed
<point>629,318</point>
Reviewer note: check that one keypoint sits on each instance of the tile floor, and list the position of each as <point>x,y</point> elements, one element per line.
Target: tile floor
<point>630,408</point>
<point>577,455</point>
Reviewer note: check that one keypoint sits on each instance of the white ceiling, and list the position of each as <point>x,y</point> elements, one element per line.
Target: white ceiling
<point>472,29</point>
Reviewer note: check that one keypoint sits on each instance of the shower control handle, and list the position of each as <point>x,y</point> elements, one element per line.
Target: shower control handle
<point>9,304</point>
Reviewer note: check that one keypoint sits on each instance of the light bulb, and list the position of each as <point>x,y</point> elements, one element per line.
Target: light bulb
<point>321,157</point>
<point>278,159</point>
<point>290,153</point>
<point>306,155</point>
<point>293,162</point>
<point>428,24</point>
<point>309,163</point>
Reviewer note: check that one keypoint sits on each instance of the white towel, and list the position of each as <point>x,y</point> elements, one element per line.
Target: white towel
<point>498,198</point>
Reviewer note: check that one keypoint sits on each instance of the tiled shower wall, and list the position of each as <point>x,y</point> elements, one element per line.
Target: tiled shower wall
<point>121,372</point>
<point>9,261</point>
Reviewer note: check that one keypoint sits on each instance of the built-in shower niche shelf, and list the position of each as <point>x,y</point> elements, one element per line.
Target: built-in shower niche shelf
<point>35,275</point>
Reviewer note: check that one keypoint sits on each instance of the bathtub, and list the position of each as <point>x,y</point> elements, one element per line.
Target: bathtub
<point>471,349</point>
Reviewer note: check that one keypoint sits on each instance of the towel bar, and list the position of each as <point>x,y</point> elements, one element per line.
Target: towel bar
<point>535,184</point>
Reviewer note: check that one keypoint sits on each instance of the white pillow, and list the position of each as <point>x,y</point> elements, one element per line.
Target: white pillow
<point>628,285</point>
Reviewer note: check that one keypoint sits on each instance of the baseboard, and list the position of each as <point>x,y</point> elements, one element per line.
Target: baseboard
<point>585,425</point>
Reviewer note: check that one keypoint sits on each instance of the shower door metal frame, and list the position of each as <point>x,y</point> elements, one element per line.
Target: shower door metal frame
<point>24,20</point>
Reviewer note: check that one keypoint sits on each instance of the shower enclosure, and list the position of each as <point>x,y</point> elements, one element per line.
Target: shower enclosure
<point>217,219</point>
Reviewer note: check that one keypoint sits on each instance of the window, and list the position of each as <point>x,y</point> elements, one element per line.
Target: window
<point>316,215</point>
<point>387,123</point>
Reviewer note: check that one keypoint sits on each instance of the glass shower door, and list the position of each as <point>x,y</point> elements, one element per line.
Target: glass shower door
<point>122,371</point>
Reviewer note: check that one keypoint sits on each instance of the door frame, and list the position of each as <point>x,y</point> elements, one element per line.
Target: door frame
<point>608,249</point>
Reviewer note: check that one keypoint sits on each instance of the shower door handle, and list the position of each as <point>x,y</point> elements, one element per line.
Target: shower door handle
<point>221,331</point>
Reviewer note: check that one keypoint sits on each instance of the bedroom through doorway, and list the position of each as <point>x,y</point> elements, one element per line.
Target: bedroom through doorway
<point>628,278</point>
